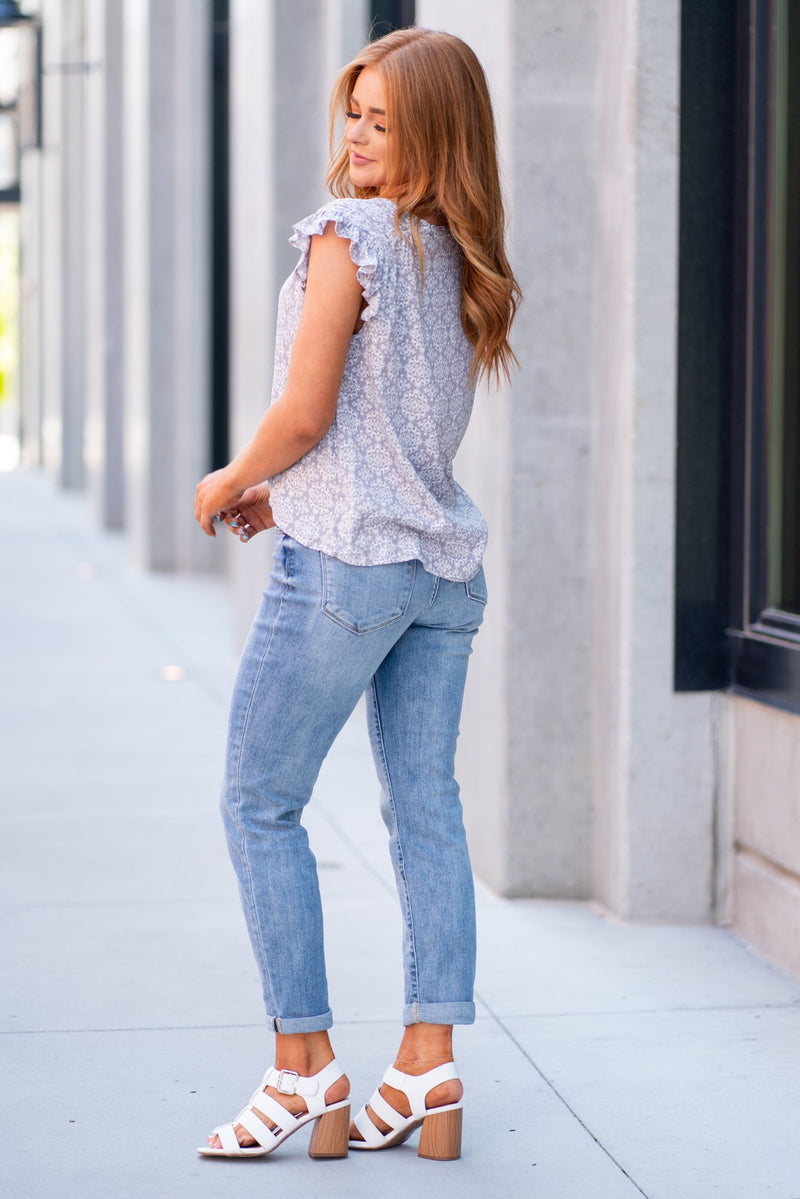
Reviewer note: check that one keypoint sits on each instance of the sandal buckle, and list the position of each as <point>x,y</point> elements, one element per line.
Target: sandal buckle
<point>287,1082</point>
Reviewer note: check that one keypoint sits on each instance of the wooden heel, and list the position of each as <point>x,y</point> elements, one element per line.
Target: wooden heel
<point>440,1138</point>
<point>331,1134</point>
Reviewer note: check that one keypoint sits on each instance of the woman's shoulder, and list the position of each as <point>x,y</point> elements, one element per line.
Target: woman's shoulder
<point>350,214</point>
<point>368,225</point>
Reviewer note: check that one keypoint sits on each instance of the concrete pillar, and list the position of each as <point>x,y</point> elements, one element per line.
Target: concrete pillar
<point>49,277</point>
<point>654,759</point>
<point>104,260</point>
<point>583,773</point>
<point>61,263</point>
<point>284,54</point>
<point>73,393</point>
<point>525,757</point>
<point>252,270</point>
<point>192,250</point>
<point>31,391</point>
<point>167,200</point>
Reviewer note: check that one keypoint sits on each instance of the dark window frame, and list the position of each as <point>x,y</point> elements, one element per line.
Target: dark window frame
<point>704,368</point>
<point>219,184</point>
<point>726,634</point>
<point>764,642</point>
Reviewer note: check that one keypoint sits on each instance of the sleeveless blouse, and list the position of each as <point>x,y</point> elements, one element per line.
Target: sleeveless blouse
<point>379,486</point>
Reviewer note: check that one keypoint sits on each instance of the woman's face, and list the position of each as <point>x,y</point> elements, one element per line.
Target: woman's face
<point>366,131</point>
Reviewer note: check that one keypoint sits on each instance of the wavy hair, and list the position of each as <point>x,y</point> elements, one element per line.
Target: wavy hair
<point>441,162</point>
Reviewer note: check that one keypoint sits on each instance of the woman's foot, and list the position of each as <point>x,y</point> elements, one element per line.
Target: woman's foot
<point>295,1104</point>
<point>445,1093</point>
<point>304,1054</point>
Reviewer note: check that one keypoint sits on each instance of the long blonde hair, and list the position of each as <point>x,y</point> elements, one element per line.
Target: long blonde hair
<point>442,161</point>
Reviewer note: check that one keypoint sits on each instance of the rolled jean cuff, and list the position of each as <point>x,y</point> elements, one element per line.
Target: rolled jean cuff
<point>292,1024</point>
<point>439,1013</point>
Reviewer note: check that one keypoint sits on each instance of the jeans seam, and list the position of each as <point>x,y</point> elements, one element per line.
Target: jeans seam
<point>243,841</point>
<point>400,856</point>
<point>436,581</point>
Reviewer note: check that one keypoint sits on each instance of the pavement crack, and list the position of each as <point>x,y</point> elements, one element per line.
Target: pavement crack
<point>549,1083</point>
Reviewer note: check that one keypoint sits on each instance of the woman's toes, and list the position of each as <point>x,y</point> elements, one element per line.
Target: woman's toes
<point>243,1136</point>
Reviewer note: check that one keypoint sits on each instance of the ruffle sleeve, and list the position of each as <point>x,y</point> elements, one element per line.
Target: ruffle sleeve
<point>351,224</point>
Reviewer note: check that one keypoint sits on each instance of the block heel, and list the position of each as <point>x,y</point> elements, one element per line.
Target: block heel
<point>440,1139</point>
<point>331,1134</point>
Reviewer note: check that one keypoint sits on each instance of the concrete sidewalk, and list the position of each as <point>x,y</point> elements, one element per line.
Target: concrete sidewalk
<point>608,1061</point>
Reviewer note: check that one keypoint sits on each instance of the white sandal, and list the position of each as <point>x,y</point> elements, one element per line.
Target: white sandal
<point>329,1138</point>
<point>441,1126</point>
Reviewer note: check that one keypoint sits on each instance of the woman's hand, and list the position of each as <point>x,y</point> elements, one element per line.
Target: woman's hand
<point>215,493</point>
<point>251,515</point>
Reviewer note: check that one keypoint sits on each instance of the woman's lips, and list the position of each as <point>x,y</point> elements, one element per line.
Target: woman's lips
<point>358,159</point>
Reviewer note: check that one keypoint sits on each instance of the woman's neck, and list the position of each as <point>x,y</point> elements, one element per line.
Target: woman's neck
<point>425,212</point>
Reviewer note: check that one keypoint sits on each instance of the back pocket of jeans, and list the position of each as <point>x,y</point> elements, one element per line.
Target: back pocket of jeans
<point>365,598</point>
<point>476,587</point>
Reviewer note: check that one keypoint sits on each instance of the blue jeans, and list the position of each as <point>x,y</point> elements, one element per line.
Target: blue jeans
<point>324,634</point>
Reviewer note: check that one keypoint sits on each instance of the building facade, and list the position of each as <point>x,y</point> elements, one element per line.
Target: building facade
<point>632,722</point>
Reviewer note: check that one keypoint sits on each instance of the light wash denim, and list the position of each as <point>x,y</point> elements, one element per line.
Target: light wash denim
<point>327,632</point>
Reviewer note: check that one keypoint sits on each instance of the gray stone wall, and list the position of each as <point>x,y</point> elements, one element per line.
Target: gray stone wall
<point>762,849</point>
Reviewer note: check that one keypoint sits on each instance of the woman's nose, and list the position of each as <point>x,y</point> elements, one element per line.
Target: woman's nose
<point>356,131</point>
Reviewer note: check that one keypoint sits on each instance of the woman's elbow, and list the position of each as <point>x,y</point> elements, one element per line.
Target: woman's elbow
<point>310,427</point>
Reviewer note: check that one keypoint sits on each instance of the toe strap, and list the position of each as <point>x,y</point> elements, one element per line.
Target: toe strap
<point>384,1111</point>
<point>227,1138</point>
<point>372,1136</point>
<point>274,1111</point>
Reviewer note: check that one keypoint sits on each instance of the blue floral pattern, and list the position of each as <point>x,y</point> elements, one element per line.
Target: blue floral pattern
<point>379,487</point>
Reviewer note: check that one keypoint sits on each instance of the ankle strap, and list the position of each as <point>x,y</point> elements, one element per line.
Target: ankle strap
<point>289,1082</point>
<point>417,1086</point>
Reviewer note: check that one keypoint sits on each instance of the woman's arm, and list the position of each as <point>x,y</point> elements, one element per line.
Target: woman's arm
<point>304,412</point>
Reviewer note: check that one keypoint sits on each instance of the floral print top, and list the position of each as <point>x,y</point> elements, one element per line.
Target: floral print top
<point>379,486</point>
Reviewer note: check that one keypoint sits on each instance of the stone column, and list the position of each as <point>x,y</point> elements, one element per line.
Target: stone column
<point>525,756</point>
<point>654,764</point>
<point>49,229</point>
<point>192,249</point>
<point>62,251</point>
<point>31,315</point>
<point>104,305</point>
<point>284,54</point>
<point>583,773</point>
<point>252,269</point>
<point>73,395</point>
<point>167,198</point>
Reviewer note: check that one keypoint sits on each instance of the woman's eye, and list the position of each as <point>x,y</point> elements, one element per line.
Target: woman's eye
<point>356,116</point>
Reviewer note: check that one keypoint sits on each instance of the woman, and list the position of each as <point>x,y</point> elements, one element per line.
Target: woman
<point>402,297</point>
